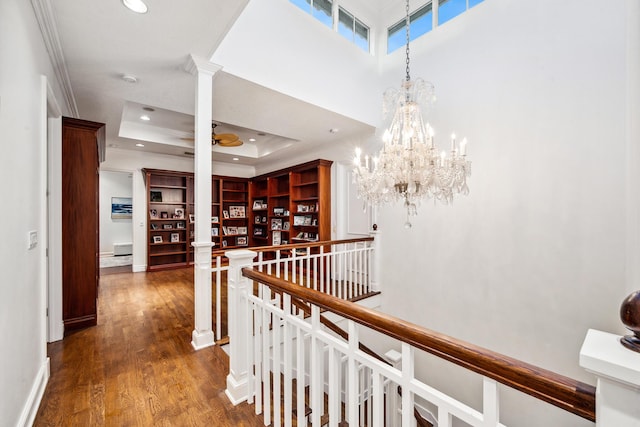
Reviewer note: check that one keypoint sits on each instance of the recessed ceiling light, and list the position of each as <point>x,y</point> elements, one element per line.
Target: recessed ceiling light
<point>236,159</point>
<point>145,118</point>
<point>139,145</point>
<point>129,78</point>
<point>137,6</point>
<point>252,139</point>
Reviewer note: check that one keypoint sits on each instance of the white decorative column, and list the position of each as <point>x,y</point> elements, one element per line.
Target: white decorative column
<point>204,70</point>
<point>618,371</point>
<point>238,325</point>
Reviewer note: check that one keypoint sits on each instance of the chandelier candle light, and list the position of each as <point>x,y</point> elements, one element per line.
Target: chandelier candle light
<point>409,166</point>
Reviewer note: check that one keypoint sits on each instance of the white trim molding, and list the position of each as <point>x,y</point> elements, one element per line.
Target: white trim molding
<point>49,29</point>
<point>30,409</point>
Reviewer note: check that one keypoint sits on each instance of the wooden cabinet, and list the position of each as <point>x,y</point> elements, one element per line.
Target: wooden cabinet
<point>82,143</point>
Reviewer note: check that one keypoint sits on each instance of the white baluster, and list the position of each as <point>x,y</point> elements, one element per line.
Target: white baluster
<point>352,375</point>
<point>490,402</point>
<point>288,363</point>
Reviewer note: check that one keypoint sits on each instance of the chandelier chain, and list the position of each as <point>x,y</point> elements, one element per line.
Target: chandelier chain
<point>408,24</point>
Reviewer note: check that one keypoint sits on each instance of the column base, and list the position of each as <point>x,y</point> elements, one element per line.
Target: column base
<point>237,391</point>
<point>200,340</point>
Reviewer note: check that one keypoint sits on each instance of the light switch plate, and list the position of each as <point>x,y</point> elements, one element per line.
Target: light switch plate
<point>33,239</point>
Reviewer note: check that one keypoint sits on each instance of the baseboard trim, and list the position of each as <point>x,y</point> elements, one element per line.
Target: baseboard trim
<point>30,409</point>
<point>139,268</point>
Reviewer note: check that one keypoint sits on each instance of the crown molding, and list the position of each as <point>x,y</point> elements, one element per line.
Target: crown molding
<point>49,29</point>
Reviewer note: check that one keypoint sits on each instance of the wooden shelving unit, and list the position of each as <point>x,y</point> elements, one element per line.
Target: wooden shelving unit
<point>298,204</point>
<point>259,224</point>
<point>291,205</point>
<point>234,223</point>
<point>168,225</point>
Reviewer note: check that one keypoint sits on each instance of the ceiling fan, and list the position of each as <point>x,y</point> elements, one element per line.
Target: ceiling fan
<point>222,139</point>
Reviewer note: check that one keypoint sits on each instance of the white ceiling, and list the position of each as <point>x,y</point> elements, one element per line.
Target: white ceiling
<point>102,40</point>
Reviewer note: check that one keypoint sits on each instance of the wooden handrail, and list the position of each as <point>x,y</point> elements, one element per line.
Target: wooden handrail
<point>564,392</point>
<point>297,245</point>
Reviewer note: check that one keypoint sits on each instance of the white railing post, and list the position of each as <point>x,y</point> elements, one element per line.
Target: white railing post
<point>376,260</point>
<point>618,379</point>
<point>238,324</point>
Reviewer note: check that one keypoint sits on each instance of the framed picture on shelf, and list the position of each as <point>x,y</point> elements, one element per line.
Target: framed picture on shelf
<point>285,242</point>
<point>276,223</point>
<point>278,211</point>
<point>232,230</point>
<point>241,241</point>
<point>242,230</point>
<point>236,211</point>
<point>180,225</point>
<point>259,204</point>
<point>276,238</point>
<point>224,230</point>
<point>264,220</point>
<point>154,226</point>
<point>192,218</point>
<point>164,215</point>
<point>215,219</point>
<point>285,226</point>
<point>314,222</point>
<point>153,213</point>
<point>302,208</point>
<point>167,226</point>
<point>307,220</point>
<point>157,239</point>
<point>256,220</point>
<point>175,237</point>
<point>312,208</point>
<point>155,196</point>
<point>298,220</point>
<point>224,243</point>
<point>225,214</point>
<point>179,213</point>
<point>214,231</point>
<point>258,231</point>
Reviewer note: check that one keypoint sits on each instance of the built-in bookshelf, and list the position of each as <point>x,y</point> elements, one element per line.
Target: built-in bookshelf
<point>298,207</point>
<point>291,205</point>
<point>234,223</point>
<point>168,205</point>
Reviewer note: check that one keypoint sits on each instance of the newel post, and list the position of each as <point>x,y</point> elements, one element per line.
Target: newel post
<point>238,325</point>
<point>376,261</point>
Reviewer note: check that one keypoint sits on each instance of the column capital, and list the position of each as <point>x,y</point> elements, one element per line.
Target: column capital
<point>196,64</point>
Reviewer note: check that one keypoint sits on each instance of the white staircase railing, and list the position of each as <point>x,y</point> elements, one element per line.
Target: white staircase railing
<point>342,268</point>
<point>276,344</point>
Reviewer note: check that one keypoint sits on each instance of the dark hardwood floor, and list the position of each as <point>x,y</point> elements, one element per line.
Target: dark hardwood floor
<point>137,366</point>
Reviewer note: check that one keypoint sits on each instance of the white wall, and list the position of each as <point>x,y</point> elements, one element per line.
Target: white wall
<point>535,255</point>
<point>341,82</point>
<point>114,230</point>
<point>23,360</point>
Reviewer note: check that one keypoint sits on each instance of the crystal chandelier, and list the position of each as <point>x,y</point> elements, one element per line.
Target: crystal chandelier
<point>409,166</point>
